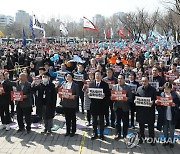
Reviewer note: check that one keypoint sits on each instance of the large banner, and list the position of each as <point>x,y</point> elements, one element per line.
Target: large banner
<point>17,96</point>
<point>165,101</point>
<point>119,95</point>
<point>143,101</point>
<point>1,89</point>
<point>64,93</point>
<point>96,93</point>
<point>78,77</point>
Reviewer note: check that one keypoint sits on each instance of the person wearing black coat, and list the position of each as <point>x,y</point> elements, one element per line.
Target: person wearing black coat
<point>146,115</point>
<point>169,116</point>
<point>98,106</point>
<point>5,91</point>
<point>47,96</point>
<point>70,104</point>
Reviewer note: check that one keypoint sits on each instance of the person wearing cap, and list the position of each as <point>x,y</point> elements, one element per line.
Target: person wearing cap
<point>5,90</point>
<point>46,99</point>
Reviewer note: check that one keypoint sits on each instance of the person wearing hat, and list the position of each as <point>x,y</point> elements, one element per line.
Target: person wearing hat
<point>46,99</point>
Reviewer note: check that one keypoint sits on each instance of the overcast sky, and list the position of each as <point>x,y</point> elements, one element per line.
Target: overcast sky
<point>75,9</point>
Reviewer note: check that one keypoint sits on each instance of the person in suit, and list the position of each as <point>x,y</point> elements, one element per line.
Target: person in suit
<point>5,91</point>
<point>47,96</point>
<point>98,106</point>
<point>70,103</point>
<point>146,115</point>
<point>122,108</point>
<point>24,108</point>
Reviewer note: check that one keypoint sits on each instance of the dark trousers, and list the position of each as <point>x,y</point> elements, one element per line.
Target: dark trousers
<point>124,116</point>
<point>112,114</point>
<point>48,123</point>
<point>150,129</point>
<point>12,106</point>
<point>81,96</point>
<point>101,123</point>
<point>4,113</point>
<point>70,116</point>
<point>89,116</point>
<point>26,112</point>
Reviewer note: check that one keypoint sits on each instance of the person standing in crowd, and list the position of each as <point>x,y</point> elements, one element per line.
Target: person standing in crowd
<point>80,71</point>
<point>169,114</point>
<point>46,99</point>
<point>98,106</point>
<point>133,85</point>
<point>87,100</point>
<point>92,66</point>
<point>146,115</point>
<point>70,103</point>
<point>174,72</point>
<point>111,80</point>
<point>162,68</point>
<point>122,108</point>
<point>5,93</point>
<point>24,108</point>
<point>59,74</point>
<point>126,71</point>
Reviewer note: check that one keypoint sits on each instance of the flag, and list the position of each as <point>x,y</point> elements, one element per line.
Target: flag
<point>120,32</point>
<point>88,25</point>
<point>63,29</point>
<point>108,33</point>
<point>23,38</point>
<point>32,29</point>
<point>37,24</point>
<point>112,34</point>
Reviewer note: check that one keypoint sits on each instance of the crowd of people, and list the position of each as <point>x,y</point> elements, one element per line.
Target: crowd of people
<point>86,77</point>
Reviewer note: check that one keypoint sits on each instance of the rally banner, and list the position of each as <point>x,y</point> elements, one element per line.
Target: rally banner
<point>170,76</point>
<point>118,95</point>
<point>155,85</point>
<point>176,86</point>
<point>64,93</point>
<point>165,101</point>
<point>117,68</point>
<point>37,24</point>
<point>110,83</point>
<point>61,74</point>
<point>143,101</point>
<point>78,77</point>
<point>96,93</point>
<point>1,89</point>
<point>17,96</point>
<point>88,25</point>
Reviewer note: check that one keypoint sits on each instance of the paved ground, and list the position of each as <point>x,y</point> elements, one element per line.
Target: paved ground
<point>36,143</point>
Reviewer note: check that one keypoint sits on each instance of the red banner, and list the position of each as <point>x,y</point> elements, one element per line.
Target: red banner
<point>17,96</point>
<point>119,95</point>
<point>164,101</point>
<point>64,93</point>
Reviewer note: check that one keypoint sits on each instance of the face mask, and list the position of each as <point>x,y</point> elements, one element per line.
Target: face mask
<point>45,80</point>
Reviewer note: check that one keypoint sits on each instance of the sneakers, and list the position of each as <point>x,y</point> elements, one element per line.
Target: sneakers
<point>2,126</point>
<point>8,127</point>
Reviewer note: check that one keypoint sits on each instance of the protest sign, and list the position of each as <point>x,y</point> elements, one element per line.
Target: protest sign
<point>164,101</point>
<point>17,96</point>
<point>143,101</point>
<point>117,68</point>
<point>78,77</point>
<point>61,74</point>
<point>119,95</point>
<point>64,93</point>
<point>176,86</point>
<point>171,76</point>
<point>96,93</point>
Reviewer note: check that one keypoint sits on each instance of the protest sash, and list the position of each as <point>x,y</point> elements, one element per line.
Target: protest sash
<point>78,77</point>
<point>118,95</point>
<point>17,96</point>
<point>164,101</point>
<point>63,93</point>
<point>143,101</point>
<point>95,93</point>
<point>1,89</point>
